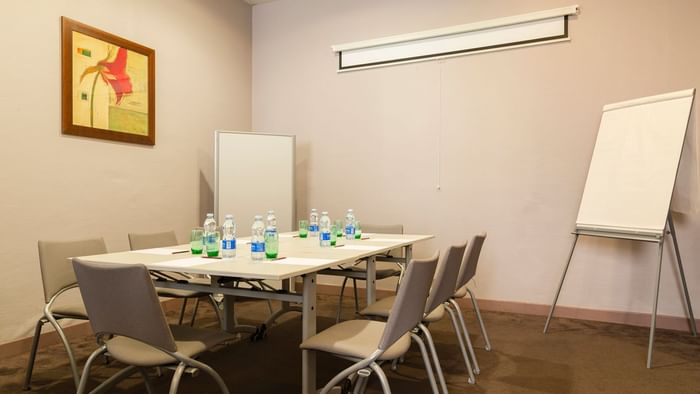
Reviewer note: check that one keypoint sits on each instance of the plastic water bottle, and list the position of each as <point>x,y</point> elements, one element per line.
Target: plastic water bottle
<point>209,224</point>
<point>350,225</point>
<point>325,230</point>
<point>313,223</point>
<point>272,239</point>
<point>228,238</point>
<point>257,239</point>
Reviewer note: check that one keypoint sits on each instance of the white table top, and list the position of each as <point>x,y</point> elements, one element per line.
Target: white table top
<point>301,256</point>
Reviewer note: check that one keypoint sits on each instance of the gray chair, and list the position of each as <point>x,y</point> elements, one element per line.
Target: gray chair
<point>168,238</point>
<point>57,277</point>
<point>132,328</point>
<point>466,274</point>
<point>440,293</point>
<point>368,342</point>
<point>358,271</point>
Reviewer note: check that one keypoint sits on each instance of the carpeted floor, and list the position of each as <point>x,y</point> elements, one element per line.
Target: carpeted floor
<point>575,357</point>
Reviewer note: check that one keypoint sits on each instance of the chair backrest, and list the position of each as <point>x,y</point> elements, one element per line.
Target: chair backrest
<point>152,240</point>
<point>121,300</point>
<point>471,259</point>
<point>409,305</point>
<point>385,229</point>
<point>56,270</point>
<point>445,277</point>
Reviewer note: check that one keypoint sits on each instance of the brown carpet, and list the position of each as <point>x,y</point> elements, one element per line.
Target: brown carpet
<point>575,357</point>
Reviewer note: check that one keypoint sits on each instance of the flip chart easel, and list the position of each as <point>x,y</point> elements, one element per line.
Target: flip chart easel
<point>631,180</point>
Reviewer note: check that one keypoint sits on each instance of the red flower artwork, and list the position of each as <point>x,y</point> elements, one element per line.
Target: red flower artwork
<point>113,73</point>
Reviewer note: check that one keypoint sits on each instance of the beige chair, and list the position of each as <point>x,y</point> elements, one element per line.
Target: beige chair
<point>466,274</point>
<point>367,342</point>
<point>57,277</point>
<point>168,238</point>
<point>132,328</point>
<point>440,293</point>
<point>359,272</point>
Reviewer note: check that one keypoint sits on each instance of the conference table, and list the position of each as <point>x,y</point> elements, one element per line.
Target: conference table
<point>298,258</point>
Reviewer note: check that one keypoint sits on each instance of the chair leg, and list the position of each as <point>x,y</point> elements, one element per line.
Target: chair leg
<point>32,354</point>
<point>382,378</point>
<point>212,373</point>
<point>357,301</point>
<point>340,300</point>
<point>194,312</point>
<point>217,311</point>
<point>86,370</point>
<point>146,380</point>
<point>361,382</point>
<point>466,335</point>
<point>433,352</point>
<point>182,311</point>
<point>175,382</point>
<point>343,374</point>
<point>455,325</point>
<point>426,362</point>
<point>475,304</point>
<point>66,345</point>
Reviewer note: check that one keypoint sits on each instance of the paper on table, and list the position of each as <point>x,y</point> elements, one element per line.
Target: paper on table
<point>287,235</point>
<point>299,261</point>
<point>163,251</point>
<point>181,263</point>
<point>361,247</point>
<point>375,239</point>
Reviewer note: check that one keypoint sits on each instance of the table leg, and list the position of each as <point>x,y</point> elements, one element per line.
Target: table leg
<point>308,357</point>
<point>371,280</point>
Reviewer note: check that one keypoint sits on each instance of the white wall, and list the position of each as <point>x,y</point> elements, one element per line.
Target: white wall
<point>507,135</point>
<point>61,187</point>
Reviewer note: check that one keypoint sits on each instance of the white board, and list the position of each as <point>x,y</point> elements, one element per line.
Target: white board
<point>633,169</point>
<point>253,173</point>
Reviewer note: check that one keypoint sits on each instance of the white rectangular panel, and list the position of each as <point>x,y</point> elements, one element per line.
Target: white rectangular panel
<point>254,173</point>
<point>633,169</point>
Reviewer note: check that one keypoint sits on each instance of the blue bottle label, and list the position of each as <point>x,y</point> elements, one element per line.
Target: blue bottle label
<point>229,244</point>
<point>349,230</point>
<point>257,247</point>
<point>325,236</point>
<point>313,228</point>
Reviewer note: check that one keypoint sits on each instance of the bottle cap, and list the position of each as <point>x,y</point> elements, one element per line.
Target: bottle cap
<point>229,216</point>
<point>324,213</point>
<point>313,209</point>
<point>270,212</point>
<point>210,215</point>
<point>258,217</point>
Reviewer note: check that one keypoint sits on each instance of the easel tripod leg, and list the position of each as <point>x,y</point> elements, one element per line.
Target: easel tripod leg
<point>652,329</point>
<point>561,282</point>
<point>691,317</point>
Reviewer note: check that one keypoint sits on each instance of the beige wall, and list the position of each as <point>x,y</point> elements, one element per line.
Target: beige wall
<point>507,135</point>
<point>59,187</point>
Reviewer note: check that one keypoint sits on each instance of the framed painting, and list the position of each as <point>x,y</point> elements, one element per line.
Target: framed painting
<point>107,85</point>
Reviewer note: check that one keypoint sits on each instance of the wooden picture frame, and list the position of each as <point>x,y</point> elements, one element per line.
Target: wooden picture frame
<point>107,85</point>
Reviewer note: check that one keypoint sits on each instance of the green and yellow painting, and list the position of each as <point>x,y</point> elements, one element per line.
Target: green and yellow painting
<point>110,86</point>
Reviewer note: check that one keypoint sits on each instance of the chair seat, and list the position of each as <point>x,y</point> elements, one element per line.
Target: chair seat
<point>461,293</point>
<point>190,342</point>
<point>356,339</point>
<point>73,310</point>
<point>178,293</point>
<point>361,273</point>
<point>435,315</point>
<point>382,308</point>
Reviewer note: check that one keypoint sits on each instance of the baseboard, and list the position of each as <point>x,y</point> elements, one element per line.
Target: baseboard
<point>676,323</point>
<point>48,338</point>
